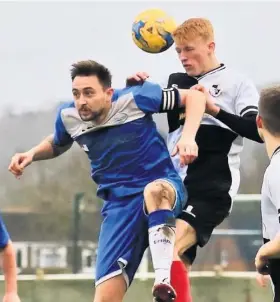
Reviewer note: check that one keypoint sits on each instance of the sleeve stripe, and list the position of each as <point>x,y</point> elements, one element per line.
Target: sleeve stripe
<point>248,109</point>
<point>164,100</point>
<point>170,99</point>
<point>173,99</point>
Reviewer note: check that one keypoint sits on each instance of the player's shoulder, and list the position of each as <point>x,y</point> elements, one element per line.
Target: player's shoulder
<point>178,76</point>
<point>272,171</point>
<point>66,109</point>
<point>66,105</point>
<point>181,80</point>
<point>236,76</point>
<point>142,89</point>
<point>274,165</point>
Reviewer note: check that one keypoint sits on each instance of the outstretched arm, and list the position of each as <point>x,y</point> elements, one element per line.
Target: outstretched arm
<point>48,149</point>
<point>243,122</point>
<point>52,146</point>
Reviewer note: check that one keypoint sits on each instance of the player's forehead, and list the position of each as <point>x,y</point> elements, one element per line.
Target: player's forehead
<point>189,42</point>
<point>82,82</point>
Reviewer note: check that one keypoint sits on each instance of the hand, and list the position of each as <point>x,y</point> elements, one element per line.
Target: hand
<point>211,107</point>
<point>11,297</point>
<point>137,79</point>
<point>19,162</point>
<point>187,149</point>
<point>261,264</point>
<point>262,280</point>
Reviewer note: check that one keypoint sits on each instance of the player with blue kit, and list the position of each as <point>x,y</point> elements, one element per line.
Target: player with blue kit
<point>131,165</point>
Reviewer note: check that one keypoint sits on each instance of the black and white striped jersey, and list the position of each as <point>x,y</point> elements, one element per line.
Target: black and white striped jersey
<point>216,170</point>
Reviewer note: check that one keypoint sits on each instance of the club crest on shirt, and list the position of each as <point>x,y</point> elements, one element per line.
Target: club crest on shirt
<point>215,90</point>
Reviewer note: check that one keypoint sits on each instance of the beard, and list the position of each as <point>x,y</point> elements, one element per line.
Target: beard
<point>88,115</point>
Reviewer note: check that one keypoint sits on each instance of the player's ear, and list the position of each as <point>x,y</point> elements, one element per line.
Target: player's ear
<point>211,46</point>
<point>259,122</point>
<point>260,127</point>
<point>109,92</point>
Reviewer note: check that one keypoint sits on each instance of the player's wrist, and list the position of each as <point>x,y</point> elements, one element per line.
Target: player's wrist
<point>11,292</point>
<point>31,153</point>
<point>214,110</point>
<point>262,253</point>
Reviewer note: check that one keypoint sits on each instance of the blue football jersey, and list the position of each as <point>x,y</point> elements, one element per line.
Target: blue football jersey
<point>4,235</point>
<point>126,151</point>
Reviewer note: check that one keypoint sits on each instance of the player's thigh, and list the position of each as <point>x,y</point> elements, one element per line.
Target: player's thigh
<point>204,214</point>
<point>111,290</point>
<point>122,241</point>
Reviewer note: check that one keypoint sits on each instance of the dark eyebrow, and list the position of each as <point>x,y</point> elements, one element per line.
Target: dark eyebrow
<point>85,88</point>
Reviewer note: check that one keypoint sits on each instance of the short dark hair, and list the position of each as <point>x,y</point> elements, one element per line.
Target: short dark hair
<point>92,68</point>
<point>269,109</point>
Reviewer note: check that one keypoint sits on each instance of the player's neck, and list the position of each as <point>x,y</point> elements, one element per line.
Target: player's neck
<point>271,144</point>
<point>102,117</point>
<point>211,64</point>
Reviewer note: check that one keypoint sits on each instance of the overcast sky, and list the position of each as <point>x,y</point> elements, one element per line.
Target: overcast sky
<point>40,41</point>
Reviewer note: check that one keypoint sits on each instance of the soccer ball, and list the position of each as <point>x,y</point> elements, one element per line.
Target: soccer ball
<point>151,31</point>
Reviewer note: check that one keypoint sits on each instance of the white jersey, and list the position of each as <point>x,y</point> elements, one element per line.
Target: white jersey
<point>270,200</point>
<point>270,210</point>
<point>216,170</point>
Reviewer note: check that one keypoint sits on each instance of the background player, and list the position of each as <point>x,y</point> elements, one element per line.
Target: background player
<point>130,162</point>
<point>267,259</point>
<point>9,266</point>
<point>213,178</point>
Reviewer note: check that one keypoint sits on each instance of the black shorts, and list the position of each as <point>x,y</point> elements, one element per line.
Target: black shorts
<point>204,214</point>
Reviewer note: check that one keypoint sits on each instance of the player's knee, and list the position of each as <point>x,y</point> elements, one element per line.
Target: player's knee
<point>159,195</point>
<point>185,237</point>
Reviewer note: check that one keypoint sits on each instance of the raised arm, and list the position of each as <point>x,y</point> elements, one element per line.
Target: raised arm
<point>48,149</point>
<point>51,147</point>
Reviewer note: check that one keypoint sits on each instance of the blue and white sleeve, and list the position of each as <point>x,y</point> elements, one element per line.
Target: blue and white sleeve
<point>152,98</point>
<point>4,235</point>
<point>61,136</point>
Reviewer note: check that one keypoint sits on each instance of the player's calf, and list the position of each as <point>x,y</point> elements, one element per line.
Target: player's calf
<point>160,197</point>
<point>185,238</point>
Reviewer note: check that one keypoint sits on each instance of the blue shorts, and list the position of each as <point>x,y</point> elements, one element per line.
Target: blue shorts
<point>123,236</point>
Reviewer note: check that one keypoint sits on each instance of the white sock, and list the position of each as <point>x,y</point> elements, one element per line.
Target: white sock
<point>162,240</point>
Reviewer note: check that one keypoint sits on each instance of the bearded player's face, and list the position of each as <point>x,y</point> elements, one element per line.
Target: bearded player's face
<point>91,98</point>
